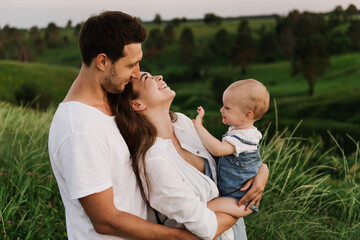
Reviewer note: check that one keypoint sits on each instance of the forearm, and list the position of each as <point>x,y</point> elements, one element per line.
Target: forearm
<point>129,226</point>
<point>212,144</point>
<point>225,222</point>
<point>108,220</point>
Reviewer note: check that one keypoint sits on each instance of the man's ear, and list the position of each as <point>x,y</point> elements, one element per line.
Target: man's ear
<point>102,61</point>
<point>248,115</point>
<point>137,106</point>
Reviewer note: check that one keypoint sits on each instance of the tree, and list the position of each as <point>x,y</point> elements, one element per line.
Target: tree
<point>157,19</point>
<point>69,24</point>
<point>311,59</point>
<point>268,47</point>
<point>11,41</point>
<point>351,11</point>
<point>336,17</point>
<point>176,22</point>
<point>309,24</point>
<point>221,45</point>
<point>25,54</point>
<point>187,44</point>
<point>354,35</point>
<point>77,29</point>
<point>52,35</point>
<point>35,40</point>
<point>34,33</point>
<point>244,48</point>
<point>155,43</point>
<point>211,18</point>
<point>169,32</point>
<point>285,28</point>
<point>338,43</point>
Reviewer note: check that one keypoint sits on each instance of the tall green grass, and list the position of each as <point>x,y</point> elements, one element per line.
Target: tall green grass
<point>312,193</point>
<point>30,204</point>
<point>47,83</point>
<point>303,200</point>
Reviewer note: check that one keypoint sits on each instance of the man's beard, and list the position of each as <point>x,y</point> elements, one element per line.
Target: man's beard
<point>110,85</point>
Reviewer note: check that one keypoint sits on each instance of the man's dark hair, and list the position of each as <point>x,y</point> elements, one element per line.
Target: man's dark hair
<point>108,33</point>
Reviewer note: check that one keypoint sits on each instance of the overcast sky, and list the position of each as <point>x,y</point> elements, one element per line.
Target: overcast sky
<point>28,13</point>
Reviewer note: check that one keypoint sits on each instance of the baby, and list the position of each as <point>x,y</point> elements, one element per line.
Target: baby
<point>244,102</point>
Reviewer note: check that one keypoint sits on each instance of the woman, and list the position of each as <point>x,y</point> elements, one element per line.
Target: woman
<point>172,166</point>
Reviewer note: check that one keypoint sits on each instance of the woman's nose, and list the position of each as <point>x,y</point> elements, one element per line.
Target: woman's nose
<point>159,78</point>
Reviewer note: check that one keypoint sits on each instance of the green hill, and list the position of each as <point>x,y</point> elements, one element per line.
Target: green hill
<point>334,106</point>
<point>22,82</point>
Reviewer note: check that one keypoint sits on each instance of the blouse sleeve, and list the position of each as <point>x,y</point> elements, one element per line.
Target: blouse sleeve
<point>171,195</point>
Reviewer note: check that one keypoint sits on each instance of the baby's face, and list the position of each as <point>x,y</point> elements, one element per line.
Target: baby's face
<point>233,110</point>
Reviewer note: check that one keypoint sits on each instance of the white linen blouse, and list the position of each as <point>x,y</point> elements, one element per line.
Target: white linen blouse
<point>175,188</point>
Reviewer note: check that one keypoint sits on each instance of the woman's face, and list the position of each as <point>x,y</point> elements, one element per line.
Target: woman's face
<point>152,90</point>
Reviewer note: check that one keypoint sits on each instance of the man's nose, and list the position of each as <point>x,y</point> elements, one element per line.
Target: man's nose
<point>136,72</point>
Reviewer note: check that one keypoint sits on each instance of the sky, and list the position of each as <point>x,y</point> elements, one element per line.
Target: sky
<point>28,13</point>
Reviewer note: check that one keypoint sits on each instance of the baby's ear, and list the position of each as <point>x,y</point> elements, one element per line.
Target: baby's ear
<point>249,115</point>
<point>137,106</point>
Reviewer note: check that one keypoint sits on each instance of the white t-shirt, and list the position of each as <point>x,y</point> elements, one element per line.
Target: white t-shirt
<point>251,135</point>
<point>89,155</point>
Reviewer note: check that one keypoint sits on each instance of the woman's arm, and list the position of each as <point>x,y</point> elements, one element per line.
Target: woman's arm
<point>225,222</point>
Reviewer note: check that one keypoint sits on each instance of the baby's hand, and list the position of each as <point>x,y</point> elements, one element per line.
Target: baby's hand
<point>199,117</point>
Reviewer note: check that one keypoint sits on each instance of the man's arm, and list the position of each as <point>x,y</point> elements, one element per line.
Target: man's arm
<point>212,144</point>
<point>108,220</point>
<point>258,186</point>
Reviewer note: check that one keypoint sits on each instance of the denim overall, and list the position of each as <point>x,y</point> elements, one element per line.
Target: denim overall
<point>234,171</point>
<point>239,227</point>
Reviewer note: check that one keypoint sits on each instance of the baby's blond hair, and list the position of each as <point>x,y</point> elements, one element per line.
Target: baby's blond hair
<point>252,95</point>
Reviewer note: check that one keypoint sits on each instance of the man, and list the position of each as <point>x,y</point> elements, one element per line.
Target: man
<point>89,157</point>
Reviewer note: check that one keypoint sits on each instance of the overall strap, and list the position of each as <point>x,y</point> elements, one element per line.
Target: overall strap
<point>245,141</point>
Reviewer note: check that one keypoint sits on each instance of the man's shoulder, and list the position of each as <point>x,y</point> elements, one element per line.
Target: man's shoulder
<point>74,118</point>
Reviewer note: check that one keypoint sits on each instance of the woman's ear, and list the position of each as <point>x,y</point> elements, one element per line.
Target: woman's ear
<point>137,106</point>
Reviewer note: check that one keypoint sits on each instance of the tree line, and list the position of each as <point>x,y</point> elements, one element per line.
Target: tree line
<point>20,44</point>
<point>306,39</point>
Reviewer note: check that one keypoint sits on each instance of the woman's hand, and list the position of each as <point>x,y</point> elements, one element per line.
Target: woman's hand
<point>258,186</point>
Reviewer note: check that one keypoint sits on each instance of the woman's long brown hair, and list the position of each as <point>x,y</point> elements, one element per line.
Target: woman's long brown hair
<point>138,132</point>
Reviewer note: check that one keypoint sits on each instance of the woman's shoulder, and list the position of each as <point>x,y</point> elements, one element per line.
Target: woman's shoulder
<point>183,120</point>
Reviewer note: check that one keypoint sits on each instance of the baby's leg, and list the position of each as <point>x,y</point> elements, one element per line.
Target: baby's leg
<point>228,205</point>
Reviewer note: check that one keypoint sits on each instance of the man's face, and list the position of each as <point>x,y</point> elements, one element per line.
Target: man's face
<point>124,69</point>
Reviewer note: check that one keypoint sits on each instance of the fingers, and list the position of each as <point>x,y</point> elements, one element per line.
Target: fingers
<point>258,201</point>
<point>254,201</point>
<point>252,195</point>
<point>247,184</point>
<point>200,111</point>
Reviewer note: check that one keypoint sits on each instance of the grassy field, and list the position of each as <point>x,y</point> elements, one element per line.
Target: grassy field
<point>311,193</point>
<point>48,83</point>
<point>332,107</point>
